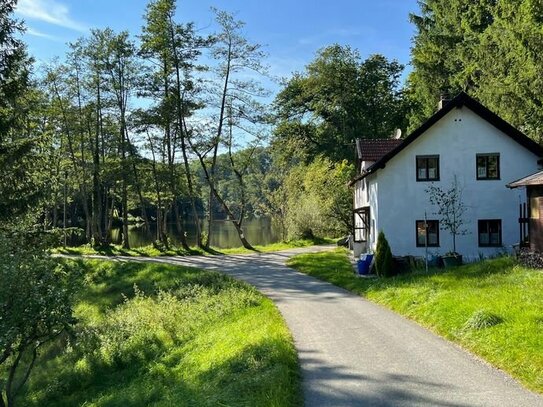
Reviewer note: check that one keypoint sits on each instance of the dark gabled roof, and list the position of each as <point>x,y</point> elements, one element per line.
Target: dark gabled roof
<point>462,99</point>
<point>534,179</point>
<point>373,150</point>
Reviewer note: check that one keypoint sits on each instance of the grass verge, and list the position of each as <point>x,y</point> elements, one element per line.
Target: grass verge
<point>493,308</point>
<point>151,251</point>
<point>118,250</point>
<point>275,247</point>
<point>168,336</point>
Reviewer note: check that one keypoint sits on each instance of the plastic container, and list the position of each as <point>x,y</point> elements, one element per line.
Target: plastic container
<point>363,265</point>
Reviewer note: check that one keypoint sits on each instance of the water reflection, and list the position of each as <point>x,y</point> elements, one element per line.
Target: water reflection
<point>259,231</point>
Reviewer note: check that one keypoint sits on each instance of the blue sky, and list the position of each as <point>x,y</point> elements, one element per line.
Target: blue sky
<point>291,30</point>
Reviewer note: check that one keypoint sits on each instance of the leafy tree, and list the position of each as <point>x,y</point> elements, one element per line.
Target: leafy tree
<point>174,48</point>
<point>36,307</point>
<point>337,99</point>
<point>233,108</point>
<point>318,201</point>
<point>383,257</point>
<point>450,208</point>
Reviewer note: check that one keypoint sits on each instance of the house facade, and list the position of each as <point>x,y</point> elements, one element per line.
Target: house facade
<point>531,214</point>
<point>465,142</point>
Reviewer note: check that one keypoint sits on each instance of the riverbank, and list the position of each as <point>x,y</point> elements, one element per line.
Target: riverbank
<point>493,308</point>
<point>151,251</point>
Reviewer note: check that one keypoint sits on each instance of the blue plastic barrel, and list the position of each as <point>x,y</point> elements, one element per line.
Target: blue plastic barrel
<point>363,265</point>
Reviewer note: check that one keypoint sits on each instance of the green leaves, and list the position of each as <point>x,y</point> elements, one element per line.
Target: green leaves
<point>316,199</point>
<point>450,208</point>
<point>383,257</point>
<point>337,99</point>
<point>490,48</point>
<point>35,307</point>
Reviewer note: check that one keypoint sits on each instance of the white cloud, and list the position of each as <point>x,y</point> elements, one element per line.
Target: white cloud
<point>50,12</point>
<point>36,33</point>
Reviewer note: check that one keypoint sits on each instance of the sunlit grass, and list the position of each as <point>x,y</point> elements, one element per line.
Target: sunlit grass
<point>151,251</point>
<point>118,250</point>
<point>275,247</point>
<point>164,335</point>
<point>493,308</point>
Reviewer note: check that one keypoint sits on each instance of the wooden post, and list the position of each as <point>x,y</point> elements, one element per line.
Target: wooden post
<point>426,242</point>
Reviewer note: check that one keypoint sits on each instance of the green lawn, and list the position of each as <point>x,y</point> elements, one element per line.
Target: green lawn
<point>168,336</point>
<point>493,308</point>
<point>151,251</point>
<point>275,247</point>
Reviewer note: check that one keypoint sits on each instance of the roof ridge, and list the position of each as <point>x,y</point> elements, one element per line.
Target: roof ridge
<point>462,99</point>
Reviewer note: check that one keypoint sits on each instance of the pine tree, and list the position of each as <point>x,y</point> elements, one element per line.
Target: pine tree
<point>18,188</point>
<point>383,257</point>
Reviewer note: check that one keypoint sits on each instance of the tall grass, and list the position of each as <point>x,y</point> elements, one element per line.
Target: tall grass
<point>493,308</point>
<point>168,336</point>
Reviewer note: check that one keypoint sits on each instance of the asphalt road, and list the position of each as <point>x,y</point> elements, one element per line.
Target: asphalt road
<point>356,353</point>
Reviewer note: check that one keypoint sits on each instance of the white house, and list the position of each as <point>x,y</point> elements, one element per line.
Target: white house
<point>463,141</point>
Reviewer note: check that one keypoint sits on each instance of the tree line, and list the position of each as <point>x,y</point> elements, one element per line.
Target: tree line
<point>170,125</point>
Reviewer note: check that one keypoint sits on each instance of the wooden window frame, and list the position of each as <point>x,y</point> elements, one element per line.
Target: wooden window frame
<point>365,215</point>
<point>426,157</point>
<point>486,156</point>
<point>499,244</point>
<point>417,232</point>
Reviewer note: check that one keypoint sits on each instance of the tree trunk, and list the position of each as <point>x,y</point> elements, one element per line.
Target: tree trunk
<point>126,243</point>
<point>183,134</point>
<point>179,226</point>
<point>110,218</point>
<point>97,198</point>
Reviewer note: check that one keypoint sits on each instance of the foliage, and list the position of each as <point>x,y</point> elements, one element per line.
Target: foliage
<point>509,69</point>
<point>174,49</point>
<point>338,99</point>
<point>384,265</point>
<point>318,201</point>
<point>152,334</point>
<point>444,54</point>
<point>450,208</point>
<point>235,112</point>
<point>491,49</point>
<point>36,297</point>
<point>444,301</point>
<point>19,161</point>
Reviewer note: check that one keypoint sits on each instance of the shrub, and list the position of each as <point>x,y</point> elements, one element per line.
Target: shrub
<point>383,257</point>
<point>36,293</point>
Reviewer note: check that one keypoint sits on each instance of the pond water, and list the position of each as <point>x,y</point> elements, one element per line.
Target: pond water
<point>259,231</point>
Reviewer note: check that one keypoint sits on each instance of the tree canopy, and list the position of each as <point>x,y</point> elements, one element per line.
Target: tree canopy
<point>338,99</point>
<point>491,49</point>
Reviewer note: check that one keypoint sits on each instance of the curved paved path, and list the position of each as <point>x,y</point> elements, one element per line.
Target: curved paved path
<point>355,353</point>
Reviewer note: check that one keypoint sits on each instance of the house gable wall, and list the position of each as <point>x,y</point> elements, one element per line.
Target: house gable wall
<point>456,138</point>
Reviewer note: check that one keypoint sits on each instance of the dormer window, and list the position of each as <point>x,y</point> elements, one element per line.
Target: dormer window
<point>427,168</point>
<point>488,166</point>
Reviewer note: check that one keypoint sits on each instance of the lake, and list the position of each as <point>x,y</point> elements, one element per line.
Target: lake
<point>259,231</point>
